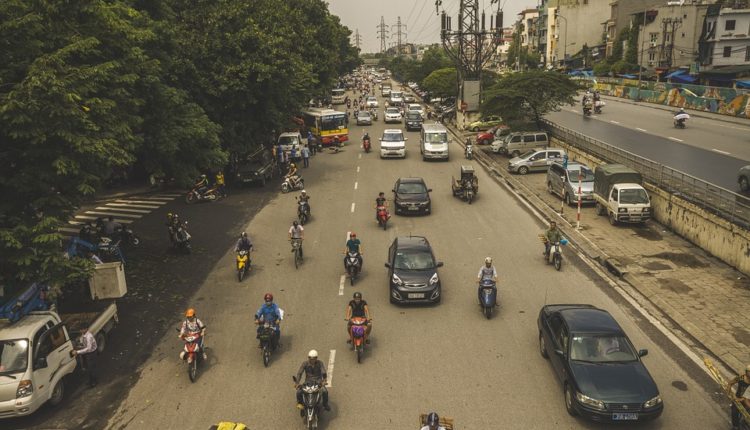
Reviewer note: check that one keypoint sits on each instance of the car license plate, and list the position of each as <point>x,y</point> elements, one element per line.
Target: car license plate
<point>625,417</point>
<point>413,208</point>
<point>416,295</point>
<point>247,180</point>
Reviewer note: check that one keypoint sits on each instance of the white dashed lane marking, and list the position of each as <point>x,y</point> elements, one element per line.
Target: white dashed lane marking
<point>720,151</point>
<point>674,138</point>
<point>331,361</point>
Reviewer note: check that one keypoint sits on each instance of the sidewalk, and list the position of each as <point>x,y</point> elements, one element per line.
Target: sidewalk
<point>692,112</point>
<point>704,297</point>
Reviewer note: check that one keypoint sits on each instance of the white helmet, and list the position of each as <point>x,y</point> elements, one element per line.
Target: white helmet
<point>312,354</point>
<point>488,260</point>
<point>304,192</point>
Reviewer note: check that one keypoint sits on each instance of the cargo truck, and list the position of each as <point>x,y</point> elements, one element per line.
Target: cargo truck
<point>620,195</point>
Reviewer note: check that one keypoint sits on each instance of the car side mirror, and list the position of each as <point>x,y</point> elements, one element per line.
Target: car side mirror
<point>388,265</point>
<point>405,139</point>
<point>429,190</point>
<point>643,353</point>
<point>439,264</point>
<point>560,353</point>
<point>41,363</point>
<point>393,191</point>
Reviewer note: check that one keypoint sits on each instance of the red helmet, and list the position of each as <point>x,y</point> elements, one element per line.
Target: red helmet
<point>353,234</point>
<point>268,297</point>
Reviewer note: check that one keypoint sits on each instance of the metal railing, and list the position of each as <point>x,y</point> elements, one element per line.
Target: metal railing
<point>729,205</point>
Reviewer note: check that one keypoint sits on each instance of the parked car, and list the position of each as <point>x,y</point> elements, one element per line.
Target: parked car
<point>537,160</point>
<point>411,195</point>
<point>515,144</point>
<point>413,121</point>
<point>256,168</point>
<point>415,107</point>
<point>485,123</point>
<point>489,136</point>
<point>409,98</point>
<point>372,102</point>
<point>393,143</point>
<point>412,271</point>
<point>602,375</point>
<point>290,140</point>
<point>364,118</point>
<point>743,179</point>
<point>392,114</point>
<point>564,182</point>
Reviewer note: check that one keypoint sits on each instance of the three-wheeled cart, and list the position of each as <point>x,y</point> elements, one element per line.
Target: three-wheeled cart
<point>467,185</point>
<point>444,422</point>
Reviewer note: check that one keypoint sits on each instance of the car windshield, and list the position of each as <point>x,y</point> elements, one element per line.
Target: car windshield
<point>393,110</point>
<point>415,107</point>
<point>363,114</point>
<point>14,356</point>
<point>414,260</point>
<point>586,174</point>
<point>393,137</point>
<point>601,349</point>
<point>396,94</point>
<point>411,188</point>
<point>338,92</point>
<point>288,140</point>
<point>635,196</point>
<point>436,137</point>
<point>333,122</point>
<point>372,99</point>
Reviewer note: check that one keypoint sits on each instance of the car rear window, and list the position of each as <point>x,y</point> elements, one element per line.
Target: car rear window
<point>411,188</point>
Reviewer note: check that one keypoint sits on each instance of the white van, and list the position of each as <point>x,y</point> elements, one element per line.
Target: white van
<point>434,142</point>
<point>393,143</point>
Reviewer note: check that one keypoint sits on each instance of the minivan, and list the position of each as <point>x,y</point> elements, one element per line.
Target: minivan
<point>393,143</point>
<point>433,142</point>
<point>516,144</point>
<point>537,160</point>
<point>563,181</point>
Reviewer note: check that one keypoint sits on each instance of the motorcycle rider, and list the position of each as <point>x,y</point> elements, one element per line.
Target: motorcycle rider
<point>353,245</point>
<point>303,197</point>
<point>190,327</point>
<point>433,422</point>
<point>268,312</point>
<point>315,371</point>
<point>88,233</point>
<point>297,232</point>
<point>292,174</point>
<point>111,226</point>
<point>358,308</point>
<point>365,138</point>
<point>551,236</point>
<point>243,243</point>
<point>201,185</point>
<point>487,271</point>
<point>380,201</point>
<point>741,393</point>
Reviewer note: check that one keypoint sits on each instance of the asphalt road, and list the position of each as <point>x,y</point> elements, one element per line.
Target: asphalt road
<point>448,358</point>
<point>707,149</point>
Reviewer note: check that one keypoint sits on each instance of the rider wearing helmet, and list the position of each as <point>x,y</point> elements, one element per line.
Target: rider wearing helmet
<point>433,422</point>
<point>353,245</point>
<point>304,197</point>
<point>297,232</point>
<point>315,371</point>
<point>243,243</point>
<point>269,312</point>
<point>201,184</point>
<point>358,308</point>
<point>191,326</point>
<point>487,271</point>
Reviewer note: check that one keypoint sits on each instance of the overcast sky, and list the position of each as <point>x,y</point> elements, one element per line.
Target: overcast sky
<point>422,24</point>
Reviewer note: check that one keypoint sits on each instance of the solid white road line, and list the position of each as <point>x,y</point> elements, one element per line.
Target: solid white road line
<point>152,202</point>
<point>108,208</point>
<point>719,151</point>
<point>165,198</point>
<point>114,214</point>
<point>331,361</point>
<point>341,285</point>
<point>674,138</point>
<point>172,195</point>
<point>353,204</point>
<point>355,185</point>
<point>639,129</point>
<point>86,217</point>
<point>132,206</point>
<point>613,122</point>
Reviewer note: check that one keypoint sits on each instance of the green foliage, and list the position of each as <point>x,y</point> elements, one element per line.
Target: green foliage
<point>631,54</point>
<point>623,66</point>
<point>529,95</point>
<point>405,69</point>
<point>442,82</point>
<point>617,47</point>
<point>602,68</point>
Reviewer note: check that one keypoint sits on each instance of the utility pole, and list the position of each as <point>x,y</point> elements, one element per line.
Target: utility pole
<point>382,34</point>
<point>357,38</point>
<point>471,46</point>
<point>399,33</point>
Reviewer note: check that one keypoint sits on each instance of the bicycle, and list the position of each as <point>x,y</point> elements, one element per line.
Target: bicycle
<point>297,250</point>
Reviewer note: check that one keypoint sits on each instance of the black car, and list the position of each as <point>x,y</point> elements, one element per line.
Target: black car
<point>256,168</point>
<point>412,271</point>
<point>411,195</point>
<point>603,376</point>
<point>413,121</point>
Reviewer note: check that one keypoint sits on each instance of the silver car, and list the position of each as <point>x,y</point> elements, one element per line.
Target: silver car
<point>392,114</point>
<point>564,182</point>
<point>364,118</point>
<point>537,160</point>
<point>743,179</point>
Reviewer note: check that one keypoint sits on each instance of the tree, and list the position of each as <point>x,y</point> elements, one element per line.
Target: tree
<point>442,82</point>
<point>529,95</point>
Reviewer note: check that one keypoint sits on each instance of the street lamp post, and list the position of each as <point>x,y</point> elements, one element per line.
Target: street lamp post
<point>565,42</point>
<point>640,61</point>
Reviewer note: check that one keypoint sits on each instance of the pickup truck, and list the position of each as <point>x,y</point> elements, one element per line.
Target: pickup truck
<point>36,343</point>
<point>258,167</point>
<point>619,194</point>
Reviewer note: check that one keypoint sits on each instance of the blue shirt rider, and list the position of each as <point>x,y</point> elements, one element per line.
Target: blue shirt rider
<point>353,245</point>
<point>268,312</point>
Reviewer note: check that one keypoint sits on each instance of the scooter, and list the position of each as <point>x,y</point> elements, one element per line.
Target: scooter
<point>468,152</point>
<point>192,353</point>
<point>352,266</point>
<point>243,264</point>
<point>303,211</point>
<point>366,145</point>
<point>487,296</point>
<point>181,238</point>
<point>598,106</point>
<point>679,120</point>
<point>554,255</point>
<point>383,216</point>
<point>269,341</point>
<point>291,185</point>
<point>209,195</point>
<point>312,398</point>
<point>359,336</point>
<point>587,109</point>
<point>127,236</point>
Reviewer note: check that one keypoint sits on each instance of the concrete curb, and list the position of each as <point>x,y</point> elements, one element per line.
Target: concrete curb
<point>692,112</point>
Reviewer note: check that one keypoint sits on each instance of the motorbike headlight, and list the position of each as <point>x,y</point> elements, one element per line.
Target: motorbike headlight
<point>588,401</point>
<point>434,279</point>
<point>396,280</point>
<point>656,401</point>
<point>25,388</point>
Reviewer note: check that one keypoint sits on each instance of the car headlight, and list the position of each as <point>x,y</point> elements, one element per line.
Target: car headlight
<point>622,210</point>
<point>656,401</point>
<point>25,389</point>
<point>646,209</point>
<point>434,280</point>
<point>588,401</point>
<point>396,280</point>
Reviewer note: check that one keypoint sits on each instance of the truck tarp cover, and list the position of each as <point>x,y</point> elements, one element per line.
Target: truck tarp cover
<point>607,175</point>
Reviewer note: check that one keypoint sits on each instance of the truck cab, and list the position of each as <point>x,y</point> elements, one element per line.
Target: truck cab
<point>620,195</point>
<point>35,356</point>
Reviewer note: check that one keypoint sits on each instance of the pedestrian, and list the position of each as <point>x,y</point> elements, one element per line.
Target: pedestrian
<point>280,158</point>
<point>305,156</point>
<point>311,142</point>
<point>221,184</point>
<point>88,355</point>
<point>294,155</point>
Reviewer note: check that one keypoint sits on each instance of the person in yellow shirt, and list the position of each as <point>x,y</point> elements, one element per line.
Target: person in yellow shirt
<point>220,184</point>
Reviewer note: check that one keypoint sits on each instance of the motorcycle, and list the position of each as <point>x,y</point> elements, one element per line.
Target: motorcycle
<point>366,145</point>
<point>487,296</point>
<point>587,110</point>
<point>352,266</point>
<point>374,114</point>
<point>194,195</point>
<point>290,184</point>
<point>359,336</point>
<point>127,236</point>
<point>383,216</point>
<point>181,238</point>
<point>468,152</point>
<point>598,106</point>
<point>303,211</point>
<point>269,341</point>
<point>554,255</point>
<point>679,120</point>
<point>312,398</point>
<point>243,264</point>
<point>192,353</point>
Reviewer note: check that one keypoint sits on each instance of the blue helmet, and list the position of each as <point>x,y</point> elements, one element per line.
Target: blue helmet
<point>433,419</point>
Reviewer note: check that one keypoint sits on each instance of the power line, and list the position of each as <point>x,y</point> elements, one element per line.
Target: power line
<point>413,6</point>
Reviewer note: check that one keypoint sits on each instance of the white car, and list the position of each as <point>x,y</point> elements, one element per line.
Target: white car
<point>393,143</point>
<point>372,102</point>
<point>290,140</point>
<point>392,114</point>
<point>416,108</point>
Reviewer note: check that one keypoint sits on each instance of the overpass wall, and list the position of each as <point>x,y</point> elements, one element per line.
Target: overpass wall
<point>726,241</point>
